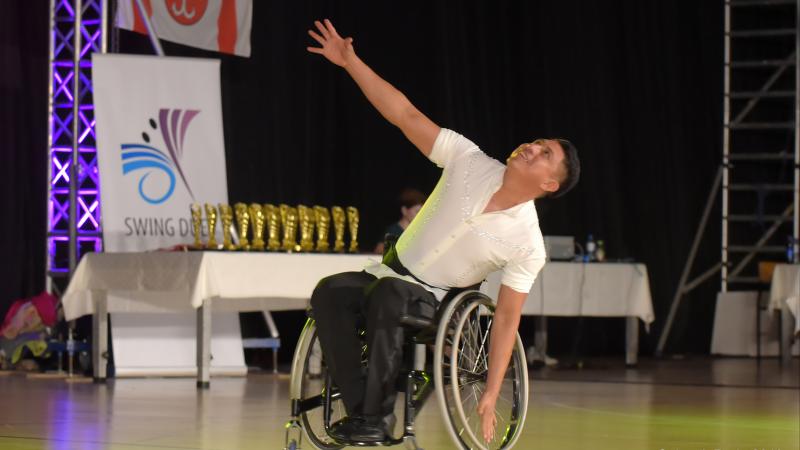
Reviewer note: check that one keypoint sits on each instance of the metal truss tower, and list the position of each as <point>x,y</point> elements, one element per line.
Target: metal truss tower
<point>78,28</point>
<point>759,177</point>
<point>761,150</point>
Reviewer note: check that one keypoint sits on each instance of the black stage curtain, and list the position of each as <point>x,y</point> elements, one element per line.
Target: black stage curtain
<point>23,145</point>
<point>636,85</point>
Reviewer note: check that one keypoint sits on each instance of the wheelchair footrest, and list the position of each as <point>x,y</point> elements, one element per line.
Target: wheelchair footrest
<point>385,443</point>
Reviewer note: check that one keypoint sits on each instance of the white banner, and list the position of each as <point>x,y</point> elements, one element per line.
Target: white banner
<point>160,147</point>
<point>218,25</point>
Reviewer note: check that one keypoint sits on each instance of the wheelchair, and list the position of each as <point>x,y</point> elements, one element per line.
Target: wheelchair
<point>458,341</point>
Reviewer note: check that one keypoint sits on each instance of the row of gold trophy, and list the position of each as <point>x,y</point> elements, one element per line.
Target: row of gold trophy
<point>281,223</point>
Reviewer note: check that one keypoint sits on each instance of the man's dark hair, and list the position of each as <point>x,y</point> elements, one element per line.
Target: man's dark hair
<point>411,197</point>
<point>572,167</point>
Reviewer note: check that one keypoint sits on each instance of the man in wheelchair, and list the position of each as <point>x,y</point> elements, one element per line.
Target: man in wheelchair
<point>480,218</point>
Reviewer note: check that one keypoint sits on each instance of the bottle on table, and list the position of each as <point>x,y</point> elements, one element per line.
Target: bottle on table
<point>600,253</point>
<point>591,248</point>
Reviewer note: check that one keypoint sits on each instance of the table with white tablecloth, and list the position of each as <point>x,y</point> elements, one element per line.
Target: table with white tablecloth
<point>784,297</point>
<point>593,289</point>
<point>160,282</point>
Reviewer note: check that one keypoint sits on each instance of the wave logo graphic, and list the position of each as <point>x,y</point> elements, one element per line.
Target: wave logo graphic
<point>145,159</point>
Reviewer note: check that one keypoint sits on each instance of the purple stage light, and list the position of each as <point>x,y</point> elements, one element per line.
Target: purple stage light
<point>61,210</point>
<point>87,212</point>
<point>61,171</point>
<point>89,128</point>
<point>63,85</point>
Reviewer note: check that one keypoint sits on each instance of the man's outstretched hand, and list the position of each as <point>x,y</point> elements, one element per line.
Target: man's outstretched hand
<point>486,408</point>
<point>391,103</point>
<point>336,49</point>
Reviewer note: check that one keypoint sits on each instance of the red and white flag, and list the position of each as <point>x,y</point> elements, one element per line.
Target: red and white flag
<point>218,25</point>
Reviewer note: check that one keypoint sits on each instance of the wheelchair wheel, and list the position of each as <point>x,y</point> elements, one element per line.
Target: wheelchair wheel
<point>460,370</point>
<point>308,380</point>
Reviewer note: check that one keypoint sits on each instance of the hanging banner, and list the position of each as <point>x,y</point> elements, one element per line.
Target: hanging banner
<point>160,147</point>
<point>218,25</point>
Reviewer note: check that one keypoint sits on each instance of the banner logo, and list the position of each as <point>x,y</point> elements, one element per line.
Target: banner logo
<point>187,12</point>
<point>147,159</point>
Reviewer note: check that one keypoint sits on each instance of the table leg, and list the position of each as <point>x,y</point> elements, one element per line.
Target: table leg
<point>540,336</point>
<point>100,337</point>
<point>204,345</point>
<point>538,351</point>
<point>631,341</point>
<point>787,331</point>
<point>273,332</point>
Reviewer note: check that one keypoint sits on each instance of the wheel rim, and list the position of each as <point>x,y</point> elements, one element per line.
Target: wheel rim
<point>311,385</point>
<point>466,366</point>
<point>442,376</point>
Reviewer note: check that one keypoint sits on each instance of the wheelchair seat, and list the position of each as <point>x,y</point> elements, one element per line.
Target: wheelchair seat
<point>426,327</point>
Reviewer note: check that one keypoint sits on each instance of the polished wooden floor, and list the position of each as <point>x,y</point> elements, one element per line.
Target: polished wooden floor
<point>675,405</point>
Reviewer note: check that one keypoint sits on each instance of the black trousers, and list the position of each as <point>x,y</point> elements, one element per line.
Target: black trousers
<point>346,302</point>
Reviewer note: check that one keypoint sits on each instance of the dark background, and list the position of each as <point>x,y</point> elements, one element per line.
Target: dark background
<point>636,85</point>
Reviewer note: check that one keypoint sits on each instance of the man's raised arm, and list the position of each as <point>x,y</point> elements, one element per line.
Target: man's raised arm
<point>391,103</point>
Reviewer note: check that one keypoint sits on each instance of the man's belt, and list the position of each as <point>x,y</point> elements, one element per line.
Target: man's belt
<point>391,260</point>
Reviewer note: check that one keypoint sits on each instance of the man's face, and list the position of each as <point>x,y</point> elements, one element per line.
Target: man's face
<point>539,162</point>
<point>410,213</point>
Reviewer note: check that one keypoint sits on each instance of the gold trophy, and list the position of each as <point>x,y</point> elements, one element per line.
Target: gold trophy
<point>257,220</point>
<point>283,209</point>
<point>273,217</point>
<point>226,217</point>
<point>338,228</point>
<point>289,218</point>
<point>211,218</point>
<point>243,222</point>
<point>352,224</point>
<point>197,220</point>
<point>307,222</point>
<point>323,219</point>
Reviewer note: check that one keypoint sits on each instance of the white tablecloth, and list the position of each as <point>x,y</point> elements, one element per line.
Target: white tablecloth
<point>594,289</point>
<point>160,282</point>
<point>785,289</point>
<point>170,281</point>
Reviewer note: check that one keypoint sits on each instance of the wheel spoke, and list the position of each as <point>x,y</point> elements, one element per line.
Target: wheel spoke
<point>471,382</point>
<point>483,344</point>
<point>475,392</point>
<point>475,336</point>
<point>468,397</point>
<point>509,402</point>
<point>463,355</point>
<point>482,341</point>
